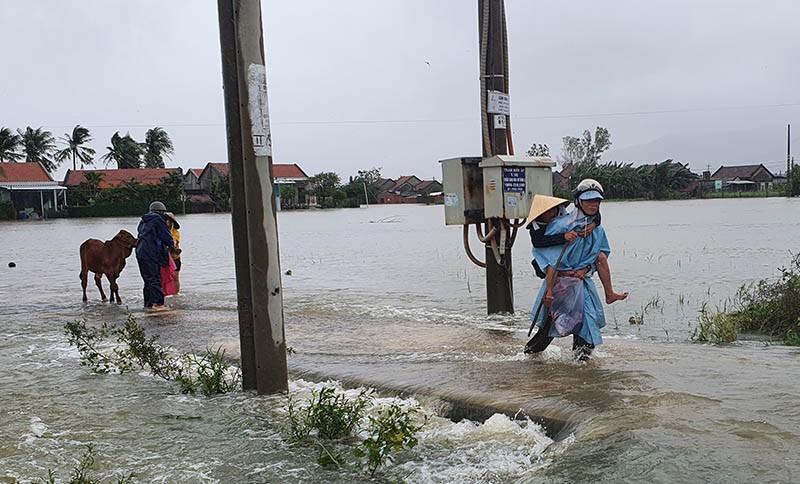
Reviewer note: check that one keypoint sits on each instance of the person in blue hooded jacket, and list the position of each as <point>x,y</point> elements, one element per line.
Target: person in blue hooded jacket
<point>579,259</point>
<point>152,252</point>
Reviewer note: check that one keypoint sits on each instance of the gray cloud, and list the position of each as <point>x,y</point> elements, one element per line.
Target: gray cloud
<point>361,83</point>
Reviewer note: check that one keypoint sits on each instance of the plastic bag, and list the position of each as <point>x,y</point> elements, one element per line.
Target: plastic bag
<point>567,308</point>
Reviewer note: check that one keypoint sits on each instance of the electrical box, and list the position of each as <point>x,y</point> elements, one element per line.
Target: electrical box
<point>509,183</point>
<point>462,186</point>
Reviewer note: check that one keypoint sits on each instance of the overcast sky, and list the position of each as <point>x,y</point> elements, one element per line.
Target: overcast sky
<point>357,84</point>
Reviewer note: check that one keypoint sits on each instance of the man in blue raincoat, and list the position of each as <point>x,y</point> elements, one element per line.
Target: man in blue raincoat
<point>152,252</point>
<point>578,260</point>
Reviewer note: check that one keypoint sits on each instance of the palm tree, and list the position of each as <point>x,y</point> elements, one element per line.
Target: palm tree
<point>124,151</point>
<point>9,146</point>
<point>39,146</point>
<point>74,147</point>
<point>92,183</point>
<point>156,144</point>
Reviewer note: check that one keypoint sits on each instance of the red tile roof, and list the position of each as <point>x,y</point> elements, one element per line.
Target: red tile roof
<point>112,178</point>
<point>197,171</point>
<point>288,171</point>
<point>24,172</point>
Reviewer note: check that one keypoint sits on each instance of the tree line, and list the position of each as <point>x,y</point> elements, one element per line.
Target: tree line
<point>331,192</point>
<point>580,158</point>
<point>40,146</point>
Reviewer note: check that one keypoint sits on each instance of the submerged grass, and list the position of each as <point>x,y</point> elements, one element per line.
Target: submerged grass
<point>770,307</point>
<point>81,472</point>
<point>336,424</point>
<point>715,326</point>
<point>210,373</point>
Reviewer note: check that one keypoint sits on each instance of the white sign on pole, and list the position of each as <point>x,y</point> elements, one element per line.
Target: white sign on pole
<point>259,109</point>
<point>498,103</point>
<point>499,121</point>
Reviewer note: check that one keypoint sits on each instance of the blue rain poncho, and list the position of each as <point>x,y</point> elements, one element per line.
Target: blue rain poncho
<point>581,253</point>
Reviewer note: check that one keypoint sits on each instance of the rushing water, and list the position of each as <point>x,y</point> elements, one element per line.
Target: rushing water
<point>385,297</point>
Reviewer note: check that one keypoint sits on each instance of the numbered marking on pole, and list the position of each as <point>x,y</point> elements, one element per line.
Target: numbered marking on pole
<point>499,121</point>
<point>259,109</point>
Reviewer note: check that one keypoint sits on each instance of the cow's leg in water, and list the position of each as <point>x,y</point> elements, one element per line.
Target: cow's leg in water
<point>98,281</point>
<point>114,289</point>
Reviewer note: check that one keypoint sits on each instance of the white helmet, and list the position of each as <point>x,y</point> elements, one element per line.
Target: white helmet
<point>587,189</point>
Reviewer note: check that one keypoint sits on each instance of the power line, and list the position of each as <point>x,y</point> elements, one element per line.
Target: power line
<point>663,111</point>
<point>449,120</point>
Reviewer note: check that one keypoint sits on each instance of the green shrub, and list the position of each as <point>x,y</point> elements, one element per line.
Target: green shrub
<point>772,307</point>
<point>328,420</point>
<point>329,414</point>
<point>207,373</point>
<point>7,210</point>
<point>715,326</point>
<point>392,430</point>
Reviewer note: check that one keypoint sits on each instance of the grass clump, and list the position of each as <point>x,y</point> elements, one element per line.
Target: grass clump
<point>80,473</point>
<point>392,430</point>
<point>132,349</point>
<point>770,307</point>
<point>328,414</point>
<point>341,426</point>
<point>773,307</point>
<point>715,326</point>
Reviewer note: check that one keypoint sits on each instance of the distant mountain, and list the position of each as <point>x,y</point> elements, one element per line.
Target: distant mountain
<point>765,145</point>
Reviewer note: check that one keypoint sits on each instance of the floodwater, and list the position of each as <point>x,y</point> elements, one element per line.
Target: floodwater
<point>384,297</point>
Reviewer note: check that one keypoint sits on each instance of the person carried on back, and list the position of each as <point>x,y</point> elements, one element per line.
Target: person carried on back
<point>152,253</point>
<point>171,274</point>
<point>567,264</point>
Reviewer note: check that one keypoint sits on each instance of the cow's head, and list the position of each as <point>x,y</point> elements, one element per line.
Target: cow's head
<point>127,240</point>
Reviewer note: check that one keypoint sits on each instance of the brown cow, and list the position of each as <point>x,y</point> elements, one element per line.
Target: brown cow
<point>106,258</point>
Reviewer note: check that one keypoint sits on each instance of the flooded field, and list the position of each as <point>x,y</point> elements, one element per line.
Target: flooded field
<point>385,297</point>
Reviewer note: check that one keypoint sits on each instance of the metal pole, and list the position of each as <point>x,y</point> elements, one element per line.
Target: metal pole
<point>499,282</point>
<point>268,351</point>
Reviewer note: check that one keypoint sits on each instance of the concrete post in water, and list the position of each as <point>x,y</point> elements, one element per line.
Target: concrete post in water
<point>227,34</point>
<point>499,283</point>
<point>253,199</point>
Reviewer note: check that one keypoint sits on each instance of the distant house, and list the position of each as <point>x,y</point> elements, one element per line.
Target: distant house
<point>385,185</point>
<point>114,178</point>
<point>210,174</point>
<point>191,180</point>
<point>30,188</point>
<point>287,174</point>
<point>290,175</point>
<point>744,177</point>
<point>426,187</point>
<point>561,178</point>
<point>406,185</point>
<point>410,189</point>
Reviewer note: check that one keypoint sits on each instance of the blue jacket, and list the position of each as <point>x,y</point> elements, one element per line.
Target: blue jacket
<point>154,239</point>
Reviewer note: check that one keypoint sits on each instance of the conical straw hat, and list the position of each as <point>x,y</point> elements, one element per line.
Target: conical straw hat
<point>541,204</point>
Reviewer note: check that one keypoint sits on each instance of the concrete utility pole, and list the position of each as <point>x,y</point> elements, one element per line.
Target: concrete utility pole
<point>789,185</point>
<point>255,228</point>
<point>494,69</point>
